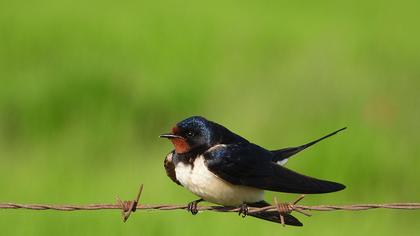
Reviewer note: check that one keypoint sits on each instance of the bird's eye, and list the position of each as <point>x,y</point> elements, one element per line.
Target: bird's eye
<point>190,134</point>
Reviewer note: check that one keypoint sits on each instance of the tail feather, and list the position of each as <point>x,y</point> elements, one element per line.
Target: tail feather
<point>285,153</point>
<point>274,216</point>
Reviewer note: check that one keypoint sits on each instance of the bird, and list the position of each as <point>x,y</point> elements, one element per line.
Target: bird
<point>224,168</point>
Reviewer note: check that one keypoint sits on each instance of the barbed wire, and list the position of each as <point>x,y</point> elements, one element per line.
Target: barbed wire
<point>127,207</point>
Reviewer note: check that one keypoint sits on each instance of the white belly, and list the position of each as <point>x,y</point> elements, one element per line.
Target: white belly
<point>211,188</point>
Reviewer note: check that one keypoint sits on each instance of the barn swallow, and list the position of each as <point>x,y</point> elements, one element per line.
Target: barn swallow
<point>224,168</point>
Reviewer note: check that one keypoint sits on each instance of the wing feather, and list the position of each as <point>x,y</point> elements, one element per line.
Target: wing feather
<point>251,165</point>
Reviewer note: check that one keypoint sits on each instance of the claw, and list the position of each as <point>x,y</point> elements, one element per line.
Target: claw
<point>243,210</point>
<point>192,206</point>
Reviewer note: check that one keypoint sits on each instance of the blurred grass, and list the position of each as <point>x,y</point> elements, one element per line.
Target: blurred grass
<point>86,87</point>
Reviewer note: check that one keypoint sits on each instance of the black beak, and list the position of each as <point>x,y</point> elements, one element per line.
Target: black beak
<point>170,136</point>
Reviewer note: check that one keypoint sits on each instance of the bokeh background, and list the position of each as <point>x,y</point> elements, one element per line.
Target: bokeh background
<point>86,87</point>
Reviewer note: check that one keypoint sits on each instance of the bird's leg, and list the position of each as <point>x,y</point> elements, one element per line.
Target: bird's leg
<point>192,206</point>
<point>243,210</point>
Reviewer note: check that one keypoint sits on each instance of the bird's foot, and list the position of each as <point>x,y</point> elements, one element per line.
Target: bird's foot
<point>192,206</point>
<point>243,210</point>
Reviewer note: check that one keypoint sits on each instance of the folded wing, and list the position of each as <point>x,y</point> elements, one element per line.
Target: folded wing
<point>251,165</point>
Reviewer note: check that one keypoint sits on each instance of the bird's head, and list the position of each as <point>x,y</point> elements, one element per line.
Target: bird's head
<point>191,134</point>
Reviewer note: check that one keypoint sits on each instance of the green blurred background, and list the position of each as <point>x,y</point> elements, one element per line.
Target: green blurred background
<point>86,87</point>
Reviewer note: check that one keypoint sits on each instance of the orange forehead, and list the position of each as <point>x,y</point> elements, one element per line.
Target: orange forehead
<point>175,130</point>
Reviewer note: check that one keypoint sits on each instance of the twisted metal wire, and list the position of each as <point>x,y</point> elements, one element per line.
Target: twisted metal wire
<point>127,207</point>
<point>71,207</point>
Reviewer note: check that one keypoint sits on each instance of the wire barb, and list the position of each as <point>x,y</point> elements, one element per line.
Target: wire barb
<point>297,209</point>
<point>285,208</point>
<point>128,207</point>
<point>282,209</point>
